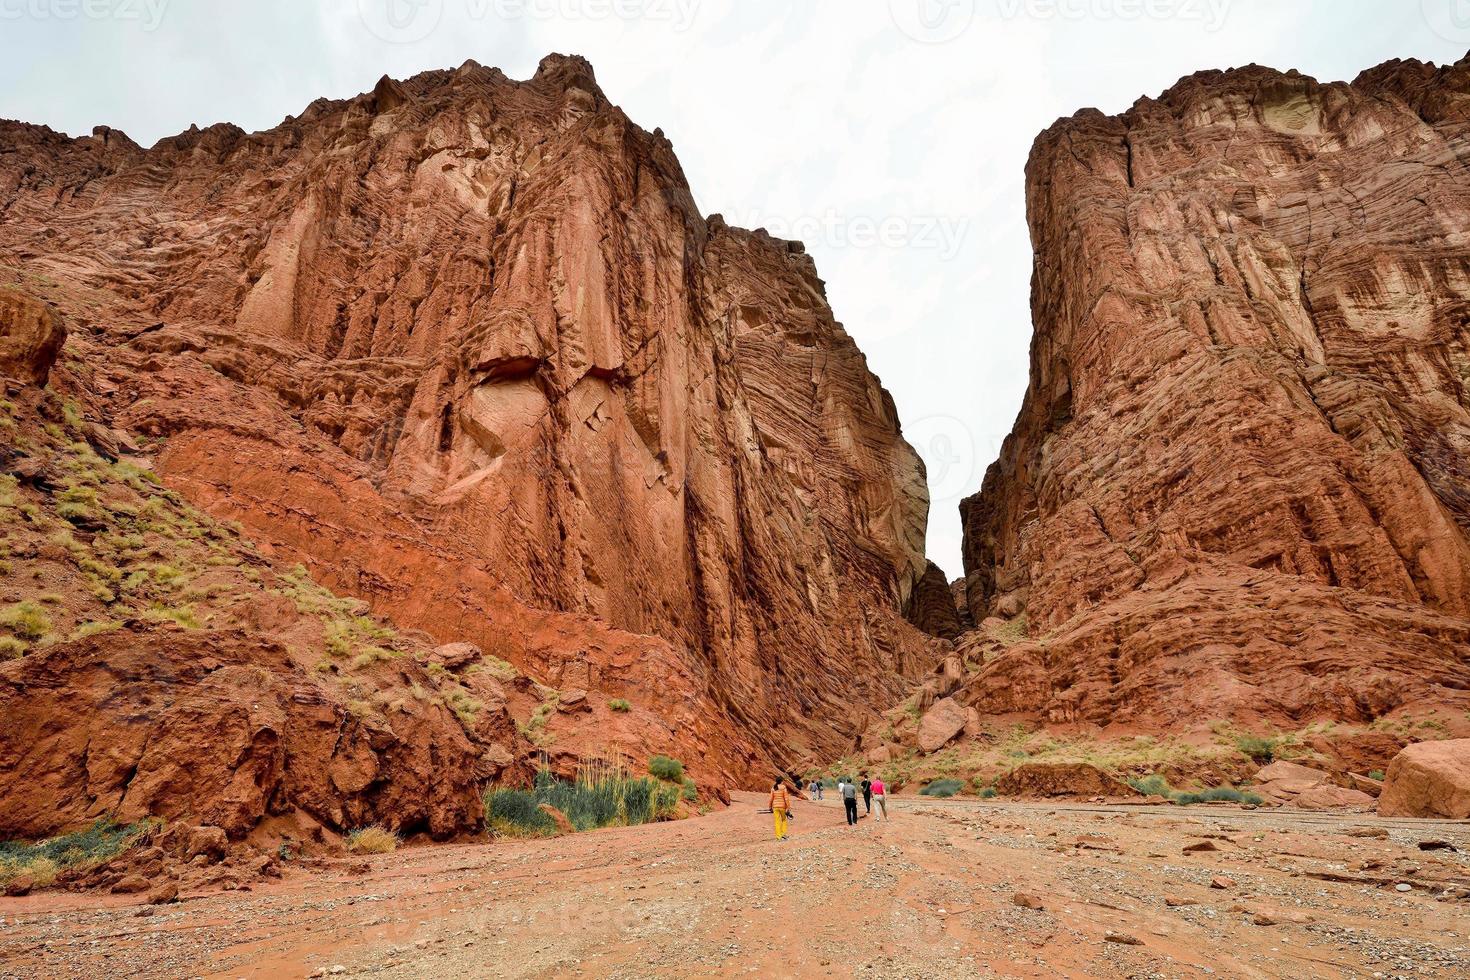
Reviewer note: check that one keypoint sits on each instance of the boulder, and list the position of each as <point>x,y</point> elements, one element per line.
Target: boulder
<point>1330,797</point>
<point>455,657</point>
<point>941,724</point>
<point>31,335</point>
<point>131,885</point>
<point>1429,779</point>
<point>212,843</point>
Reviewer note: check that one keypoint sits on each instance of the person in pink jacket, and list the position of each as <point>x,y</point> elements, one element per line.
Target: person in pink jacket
<point>880,799</point>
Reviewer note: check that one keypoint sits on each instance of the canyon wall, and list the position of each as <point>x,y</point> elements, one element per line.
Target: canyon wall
<point>465,348</point>
<point>1239,484</point>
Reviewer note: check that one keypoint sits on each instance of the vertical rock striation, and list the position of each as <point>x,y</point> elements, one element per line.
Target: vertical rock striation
<point>1239,484</point>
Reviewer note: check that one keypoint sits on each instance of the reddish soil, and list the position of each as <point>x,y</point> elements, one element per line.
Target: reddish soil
<point>930,894</point>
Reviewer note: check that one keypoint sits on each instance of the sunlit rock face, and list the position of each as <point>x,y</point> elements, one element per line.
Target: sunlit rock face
<point>465,346</point>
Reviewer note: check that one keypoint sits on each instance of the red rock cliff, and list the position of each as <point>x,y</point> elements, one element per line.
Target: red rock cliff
<point>1239,484</point>
<point>465,346</point>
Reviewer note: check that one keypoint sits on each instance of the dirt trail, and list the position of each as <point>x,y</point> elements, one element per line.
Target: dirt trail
<point>930,894</point>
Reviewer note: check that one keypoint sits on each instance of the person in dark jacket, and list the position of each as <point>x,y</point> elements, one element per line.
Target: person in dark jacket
<point>867,794</point>
<point>849,800</point>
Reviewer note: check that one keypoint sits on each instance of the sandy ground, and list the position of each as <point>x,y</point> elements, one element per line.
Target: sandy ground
<point>930,894</point>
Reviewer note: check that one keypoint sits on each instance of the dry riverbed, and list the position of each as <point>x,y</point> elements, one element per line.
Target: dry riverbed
<point>946,889</point>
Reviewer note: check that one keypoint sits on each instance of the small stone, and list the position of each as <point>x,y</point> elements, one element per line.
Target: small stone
<point>1262,919</point>
<point>1175,901</point>
<point>1027,901</point>
<point>1121,937</point>
<point>1403,887</point>
<point>1220,881</point>
<point>1199,846</point>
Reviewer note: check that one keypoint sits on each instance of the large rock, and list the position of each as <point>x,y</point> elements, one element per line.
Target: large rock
<point>31,335</point>
<point>940,724</point>
<point>466,347</point>
<point>1428,779</point>
<point>1237,488</point>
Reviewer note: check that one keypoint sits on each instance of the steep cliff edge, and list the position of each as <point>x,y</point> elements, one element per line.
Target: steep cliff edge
<point>1239,485</point>
<point>464,347</point>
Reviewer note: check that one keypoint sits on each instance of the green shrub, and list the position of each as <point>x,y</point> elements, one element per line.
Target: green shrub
<point>691,789</point>
<point>666,800</point>
<point>667,769</point>
<point>26,620</point>
<point>1219,794</point>
<point>620,705</point>
<point>943,788</point>
<point>1152,786</point>
<point>603,795</point>
<point>94,628</point>
<point>1376,774</point>
<point>517,813</point>
<point>988,793</point>
<point>11,648</point>
<point>178,615</point>
<point>1258,748</point>
<point>1156,785</point>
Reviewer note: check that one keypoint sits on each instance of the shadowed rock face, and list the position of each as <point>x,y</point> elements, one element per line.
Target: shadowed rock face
<point>1239,485</point>
<point>465,347</point>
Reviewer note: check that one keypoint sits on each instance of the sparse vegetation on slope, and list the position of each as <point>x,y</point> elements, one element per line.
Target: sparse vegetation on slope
<point>43,860</point>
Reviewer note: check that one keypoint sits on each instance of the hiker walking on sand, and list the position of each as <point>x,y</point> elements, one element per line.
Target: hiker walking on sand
<point>849,800</point>
<point>880,799</point>
<point>867,794</point>
<point>780,806</point>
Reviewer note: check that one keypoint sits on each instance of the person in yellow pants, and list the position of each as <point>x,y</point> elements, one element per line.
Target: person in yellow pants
<point>780,806</point>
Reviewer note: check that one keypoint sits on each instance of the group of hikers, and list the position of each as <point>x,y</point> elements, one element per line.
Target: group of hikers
<point>874,793</point>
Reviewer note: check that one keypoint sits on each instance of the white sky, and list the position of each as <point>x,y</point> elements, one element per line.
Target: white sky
<point>889,135</point>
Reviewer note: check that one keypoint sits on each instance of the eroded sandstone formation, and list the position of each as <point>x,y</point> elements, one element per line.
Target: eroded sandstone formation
<point>1239,485</point>
<point>465,348</point>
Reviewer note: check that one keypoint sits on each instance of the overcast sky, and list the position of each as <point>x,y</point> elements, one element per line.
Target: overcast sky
<point>889,135</point>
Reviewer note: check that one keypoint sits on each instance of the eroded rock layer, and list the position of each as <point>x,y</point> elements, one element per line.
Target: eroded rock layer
<point>465,347</point>
<point>1239,485</point>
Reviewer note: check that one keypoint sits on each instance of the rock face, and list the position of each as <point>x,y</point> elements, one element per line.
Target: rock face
<point>465,348</point>
<point>1052,779</point>
<point>932,607</point>
<point>1430,779</point>
<point>31,335</point>
<point>1239,484</point>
